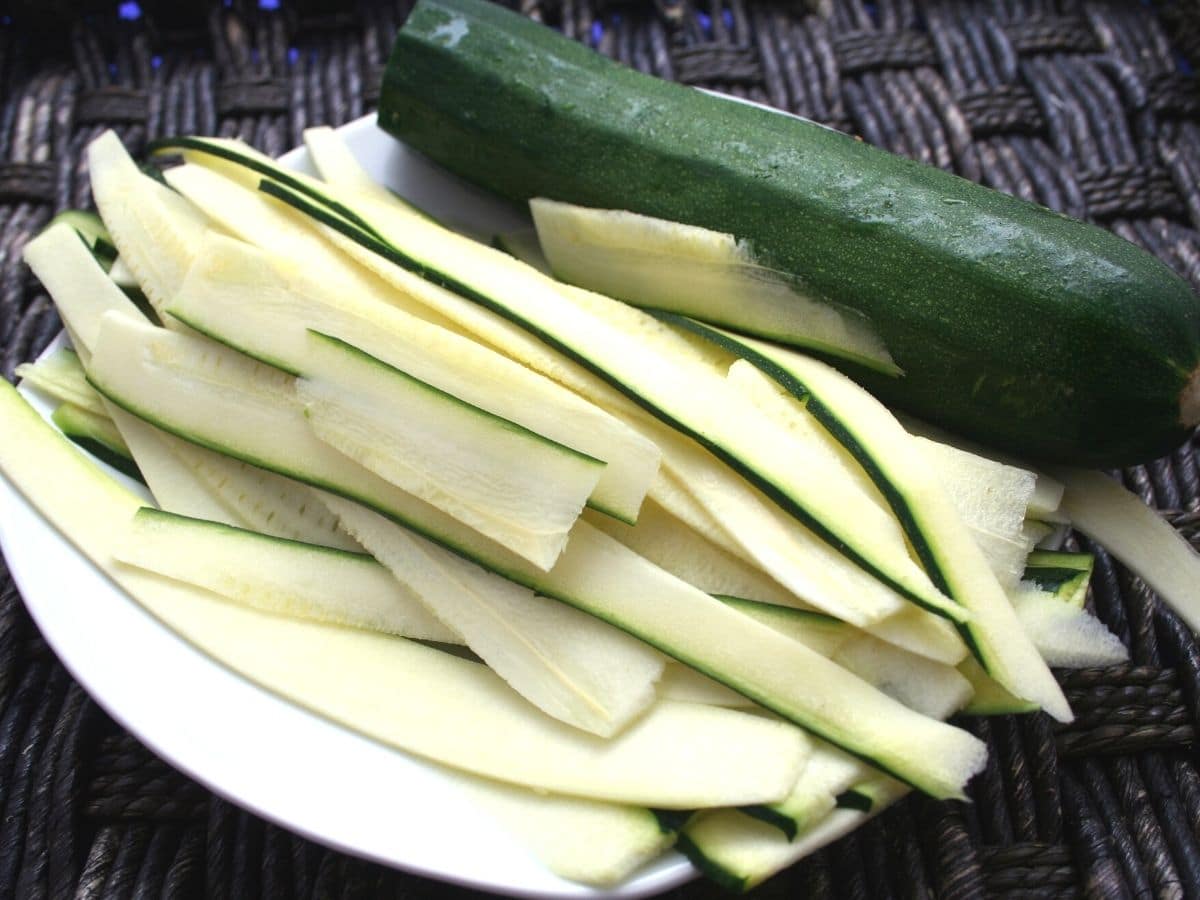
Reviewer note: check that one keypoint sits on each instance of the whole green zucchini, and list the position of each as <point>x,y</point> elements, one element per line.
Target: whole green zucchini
<point>1013,324</point>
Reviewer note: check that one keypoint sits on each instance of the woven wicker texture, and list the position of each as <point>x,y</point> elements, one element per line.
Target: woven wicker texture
<point>1089,108</point>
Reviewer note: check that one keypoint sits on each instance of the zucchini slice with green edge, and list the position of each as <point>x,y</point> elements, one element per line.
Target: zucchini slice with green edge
<point>513,485</point>
<point>276,575</point>
<point>156,231</point>
<point>739,852</point>
<point>571,665</point>
<point>582,840</point>
<point>1014,324</point>
<point>934,528</point>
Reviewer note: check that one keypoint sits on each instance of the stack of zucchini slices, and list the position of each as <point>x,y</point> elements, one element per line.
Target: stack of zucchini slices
<point>695,589</point>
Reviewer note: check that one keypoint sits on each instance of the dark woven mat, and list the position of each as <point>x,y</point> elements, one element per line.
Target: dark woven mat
<point>1090,108</point>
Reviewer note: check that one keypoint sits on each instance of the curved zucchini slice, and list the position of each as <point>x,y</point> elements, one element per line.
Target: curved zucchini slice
<point>276,575</point>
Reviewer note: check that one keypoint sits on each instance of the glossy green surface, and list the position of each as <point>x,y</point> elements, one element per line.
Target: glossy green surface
<point>1014,325</point>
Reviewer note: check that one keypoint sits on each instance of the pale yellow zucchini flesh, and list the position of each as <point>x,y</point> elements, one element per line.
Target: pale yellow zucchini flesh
<point>277,575</point>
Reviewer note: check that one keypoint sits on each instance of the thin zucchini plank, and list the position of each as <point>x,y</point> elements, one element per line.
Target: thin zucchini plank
<point>828,773</point>
<point>740,853</point>
<point>338,167</point>
<point>511,484</point>
<point>276,575</point>
<point>653,263</point>
<point>156,231</point>
<point>582,840</point>
<point>81,290</point>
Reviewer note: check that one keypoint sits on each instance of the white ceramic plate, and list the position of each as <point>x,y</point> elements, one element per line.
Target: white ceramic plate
<point>246,744</point>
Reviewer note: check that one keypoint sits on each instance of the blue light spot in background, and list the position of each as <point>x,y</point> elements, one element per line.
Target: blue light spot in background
<point>268,4</point>
<point>5,20</point>
<point>293,55</point>
<point>705,22</point>
<point>155,62</point>
<point>597,33</point>
<point>727,18</point>
<point>129,11</point>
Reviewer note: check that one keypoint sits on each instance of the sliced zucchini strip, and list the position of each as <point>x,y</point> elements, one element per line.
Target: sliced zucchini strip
<point>740,853</point>
<point>156,231</point>
<point>582,840</point>
<point>515,486</point>
<point>277,575</point>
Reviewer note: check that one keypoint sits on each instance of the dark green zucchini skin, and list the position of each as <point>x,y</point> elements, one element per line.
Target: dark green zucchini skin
<point>1014,325</point>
